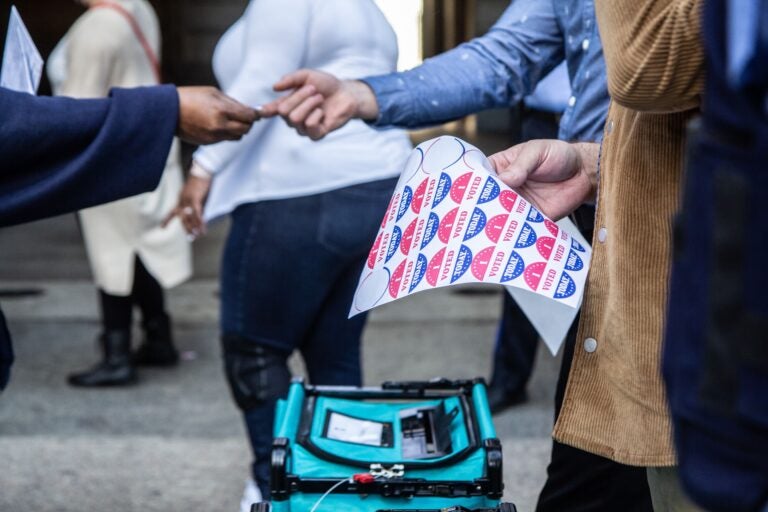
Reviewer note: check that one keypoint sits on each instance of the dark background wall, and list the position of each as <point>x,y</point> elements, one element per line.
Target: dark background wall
<point>190,31</point>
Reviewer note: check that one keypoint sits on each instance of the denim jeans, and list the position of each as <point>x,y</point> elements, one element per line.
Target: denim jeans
<point>289,271</point>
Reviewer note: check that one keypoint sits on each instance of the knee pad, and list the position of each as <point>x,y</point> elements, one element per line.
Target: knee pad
<point>255,373</point>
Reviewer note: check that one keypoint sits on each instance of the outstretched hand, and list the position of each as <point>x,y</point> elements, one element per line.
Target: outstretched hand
<point>189,209</point>
<point>321,103</point>
<point>206,115</point>
<point>557,177</point>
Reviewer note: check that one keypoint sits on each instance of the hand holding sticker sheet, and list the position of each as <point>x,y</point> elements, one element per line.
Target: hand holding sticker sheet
<point>451,220</point>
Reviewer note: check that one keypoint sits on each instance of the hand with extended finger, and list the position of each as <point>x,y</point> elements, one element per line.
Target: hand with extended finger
<point>554,175</point>
<point>321,103</point>
<point>206,115</point>
<point>191,202</point>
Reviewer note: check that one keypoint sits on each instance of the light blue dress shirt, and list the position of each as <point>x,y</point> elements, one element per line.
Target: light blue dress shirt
<point>502,67</point>
<point>552,92</point>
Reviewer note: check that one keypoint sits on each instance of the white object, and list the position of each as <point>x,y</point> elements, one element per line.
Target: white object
<point>602,235</point>
<point>99,52</point>
<point>550,319</point>
<point>251,495</point>
<point>22,63</point>
<point>347,38</point>
<point>452,221</point>
<point>354,430</point>
<point>590,345</point>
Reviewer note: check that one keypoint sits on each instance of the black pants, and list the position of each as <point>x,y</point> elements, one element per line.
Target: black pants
<point>147,294</point>
<point>578,481</point>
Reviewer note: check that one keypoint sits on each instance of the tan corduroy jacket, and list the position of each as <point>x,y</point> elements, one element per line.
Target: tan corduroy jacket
<point>615,404</point>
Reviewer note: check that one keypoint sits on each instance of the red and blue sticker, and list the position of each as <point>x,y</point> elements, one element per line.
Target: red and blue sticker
<point>526,238</point>
<point>514,268</point>
<point>405,202</point>
<point>463,262</point>
<point>443,189</point>
<point>491,191</point>
<point>394,243</point>
<point>476,224</point>
<point>433,224</point>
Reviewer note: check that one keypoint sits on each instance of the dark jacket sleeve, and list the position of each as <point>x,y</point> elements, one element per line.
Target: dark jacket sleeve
<point>59,155</point>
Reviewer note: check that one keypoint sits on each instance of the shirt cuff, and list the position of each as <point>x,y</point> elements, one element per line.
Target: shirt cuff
<point>393,98</point>
<point>198,171</point>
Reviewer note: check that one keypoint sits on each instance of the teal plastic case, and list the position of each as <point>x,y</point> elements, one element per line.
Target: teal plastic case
<point>404,446</point>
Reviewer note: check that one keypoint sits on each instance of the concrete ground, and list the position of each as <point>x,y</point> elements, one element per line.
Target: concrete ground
<point>175,442</point>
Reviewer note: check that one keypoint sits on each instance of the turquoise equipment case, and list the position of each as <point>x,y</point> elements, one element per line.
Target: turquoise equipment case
<point>404,446</point>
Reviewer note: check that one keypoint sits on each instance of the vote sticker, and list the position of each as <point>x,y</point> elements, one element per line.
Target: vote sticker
<point>552,227</point>
<point>527,237</point>
<point>374,251</point>
<point>491,191</point>
<point>419,271</point>
<point>481,262</point>
<point>507,198</point>
<point>476,224</point>
<point>443,153</point>
<point>446,225</point>
<point>413,165</point>
<point>394,243</point>
<point>514,268</point>
<point>433,270</point>
<point>535,215</point>
<point>566,288</point>
<point>433,223</point>
<point>372,289</point>
<point>397,278</point>
<point>533,274</point>
<point>459,187</point>
<point>545,245</point>
<point>405,244</point>
<point>442,190</point>
<point>574,262</point>
<point>576,245</point>
<point>405,202</point>
<point>418,197</point>
<point>495,226</point>
<point>463,262</point>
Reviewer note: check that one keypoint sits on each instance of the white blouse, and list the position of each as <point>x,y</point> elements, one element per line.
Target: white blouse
<point>347,38</point>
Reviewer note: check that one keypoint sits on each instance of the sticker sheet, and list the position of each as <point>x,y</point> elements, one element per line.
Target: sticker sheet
<point>22,64</point>
<point>452,221</point>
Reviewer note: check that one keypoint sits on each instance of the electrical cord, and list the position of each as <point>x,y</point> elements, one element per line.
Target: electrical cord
<point>329,491</point>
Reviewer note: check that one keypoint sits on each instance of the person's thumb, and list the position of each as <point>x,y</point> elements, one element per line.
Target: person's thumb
<point>292,80</point>
<point>516,170</point>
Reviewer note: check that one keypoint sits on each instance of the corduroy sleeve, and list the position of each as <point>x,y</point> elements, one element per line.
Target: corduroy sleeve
<point>654,53</point>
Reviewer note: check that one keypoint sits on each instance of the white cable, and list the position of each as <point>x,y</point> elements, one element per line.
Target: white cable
<point>329,491</point>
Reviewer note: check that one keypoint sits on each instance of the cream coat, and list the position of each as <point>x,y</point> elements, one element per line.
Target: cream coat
<point>99,52</point>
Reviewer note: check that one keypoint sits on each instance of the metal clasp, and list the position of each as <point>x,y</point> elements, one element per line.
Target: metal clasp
<point>394,471</point>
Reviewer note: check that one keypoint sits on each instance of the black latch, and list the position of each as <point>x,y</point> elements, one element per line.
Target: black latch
<point>279,482</point>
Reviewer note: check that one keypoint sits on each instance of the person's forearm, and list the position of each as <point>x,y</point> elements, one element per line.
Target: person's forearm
<point>438,91</point>
<point>495,70</point>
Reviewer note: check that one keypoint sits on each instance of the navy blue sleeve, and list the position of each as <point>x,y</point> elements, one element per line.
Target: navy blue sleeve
<point>59,155</point>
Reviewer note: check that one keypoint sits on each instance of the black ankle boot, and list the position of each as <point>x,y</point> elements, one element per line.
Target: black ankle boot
<point>116,369</point>
<point>157,348</point>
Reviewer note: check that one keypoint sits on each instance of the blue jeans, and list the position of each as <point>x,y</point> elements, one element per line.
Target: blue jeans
<point>289,272</point>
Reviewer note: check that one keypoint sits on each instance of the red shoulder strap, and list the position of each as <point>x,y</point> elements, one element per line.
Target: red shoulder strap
<point>151,56</point>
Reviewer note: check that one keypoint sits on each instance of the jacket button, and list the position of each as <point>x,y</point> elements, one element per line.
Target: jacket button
<point>602,235</point>
<point>609,127</point>
<point>590,345</point>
